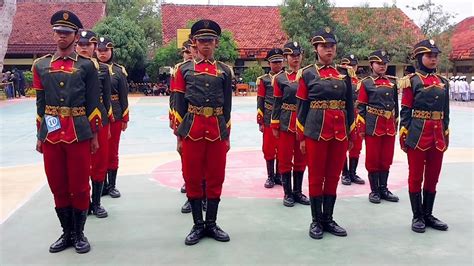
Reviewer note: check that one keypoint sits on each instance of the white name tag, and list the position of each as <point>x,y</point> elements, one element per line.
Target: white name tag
<point>52,123</point>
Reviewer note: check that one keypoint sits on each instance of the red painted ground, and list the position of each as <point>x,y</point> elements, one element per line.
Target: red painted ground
<point>246,174</point>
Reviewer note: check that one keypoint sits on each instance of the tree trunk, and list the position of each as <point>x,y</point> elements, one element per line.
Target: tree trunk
<point>7,13</point>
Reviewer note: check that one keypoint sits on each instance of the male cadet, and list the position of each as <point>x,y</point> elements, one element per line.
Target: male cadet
<point>68,119</point>
<point>264,112</point>
<point>203,100</point>
<point>86,46</point>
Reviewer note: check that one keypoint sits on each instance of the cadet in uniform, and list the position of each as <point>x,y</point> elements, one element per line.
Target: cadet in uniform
<point>120,112</point>
<point>86,47</point>
<point>424,132</point>
<point>264,112</point>
<point>203,100</point>
<point>377,122</point>
<point>349,174</point>
<point>283,125</point>
<point>187,52</point>
<point>325,120</point>
<point>68,119</point>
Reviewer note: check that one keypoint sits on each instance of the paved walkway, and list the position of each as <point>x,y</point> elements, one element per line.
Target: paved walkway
<point>145,226</point>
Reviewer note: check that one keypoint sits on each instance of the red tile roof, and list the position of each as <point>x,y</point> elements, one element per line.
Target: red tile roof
<point>255,29</point>
<point>31,33</point>
<point>462,40</point>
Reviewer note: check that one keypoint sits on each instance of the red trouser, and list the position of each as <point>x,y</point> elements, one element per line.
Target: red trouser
<point>270,144</point>
<point>425,164</point>
<point>289,153</point>
<point>67,168</point>
<point>325,162</point>
<point>379,152</point>
<point>355,151</point>
<point>100,159</point>
<point>203,158</point>
<point>114,141</point>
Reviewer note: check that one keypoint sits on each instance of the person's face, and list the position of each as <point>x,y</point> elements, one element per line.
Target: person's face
<point>187,55</point>
<point>430,60</point>
<point>379,68</point>
<point>206,47</point>
<point>64,38</point>
<point>104,55</point>
<point>326,52</point>
<point>294,61</point>
<point>85,49</point>
<point>276,67</point>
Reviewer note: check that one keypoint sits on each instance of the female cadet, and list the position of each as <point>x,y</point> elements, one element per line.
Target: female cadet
<point>325,119</point>
<point>424,132</point>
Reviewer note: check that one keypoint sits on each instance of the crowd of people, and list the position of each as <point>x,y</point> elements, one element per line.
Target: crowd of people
<point>13,83</point>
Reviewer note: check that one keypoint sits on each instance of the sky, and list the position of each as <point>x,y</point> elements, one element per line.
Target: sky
<point>462,8</point>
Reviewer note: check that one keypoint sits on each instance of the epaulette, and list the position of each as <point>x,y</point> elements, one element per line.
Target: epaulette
<point>350,70</point>
<point>124,71</point>
<point>360,83</point>
<point>276,75</point>
<point>230,68</point>
<point>405,81</point>
<point>39,58</point>
<point>259,79</point>
<point>96,63</point>
<point>299,74</point>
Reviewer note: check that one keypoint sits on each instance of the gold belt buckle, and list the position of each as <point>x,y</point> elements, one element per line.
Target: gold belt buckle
<point>387,114</point>
<point>436,115</point>
<point>333,105</point>
<point>208,111</point>
<point>64,111</point>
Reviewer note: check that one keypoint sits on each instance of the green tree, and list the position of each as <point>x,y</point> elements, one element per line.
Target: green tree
<point>380,28</point>
<point>227,49</point>
<point>252,73</point>
<point>147,12</point>
<point>301,18</point>
<point>130,45</point>
<point>435,19</point>
<point>167,55</point>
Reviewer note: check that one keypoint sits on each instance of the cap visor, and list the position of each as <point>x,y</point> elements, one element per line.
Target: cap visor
<point>102,46</point>
<point>63,28</point>
<point>83,41</point>
<point>279,60</point>
<point>206,37</point>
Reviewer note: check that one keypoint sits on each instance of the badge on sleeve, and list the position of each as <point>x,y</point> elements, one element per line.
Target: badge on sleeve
<point>52,123</point>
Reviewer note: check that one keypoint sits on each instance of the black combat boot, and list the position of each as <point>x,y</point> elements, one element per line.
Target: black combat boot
<point>95,207</point>
<point>316,228</point>
<point>277,175</point>
<point>204,199</point>
<point>81,244</point>
<point>418,221</point>
<point>345,178</point>
<point>353,162</point>
<point>430,220</point>
<point>288,199</point>
<point>66,239</point>
<point>112,190</point>
<point>105,189</point>
<point>186,208</point>
<point>298,196</point>
<point>198,230</point>
<point>374,195</point>
<point>385,194</point>
<point>271,174</point>
<point>212,229</point>
<point>329,225</point>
